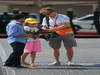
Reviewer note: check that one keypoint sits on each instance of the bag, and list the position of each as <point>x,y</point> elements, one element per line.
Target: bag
<point>47,37</point>
<point>54,35</point>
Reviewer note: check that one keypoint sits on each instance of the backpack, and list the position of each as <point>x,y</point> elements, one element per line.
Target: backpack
<point>47,37</point>
<point>53,35</point>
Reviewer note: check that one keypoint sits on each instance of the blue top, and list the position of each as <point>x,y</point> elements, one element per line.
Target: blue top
<point>14,29</point>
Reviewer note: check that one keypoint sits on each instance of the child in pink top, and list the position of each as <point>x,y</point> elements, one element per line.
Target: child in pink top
<point>33,44</point>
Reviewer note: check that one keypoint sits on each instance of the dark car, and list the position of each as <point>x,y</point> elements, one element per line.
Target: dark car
<point>6,17</point>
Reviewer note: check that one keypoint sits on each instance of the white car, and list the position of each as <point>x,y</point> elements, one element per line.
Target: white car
<point>85,22</point>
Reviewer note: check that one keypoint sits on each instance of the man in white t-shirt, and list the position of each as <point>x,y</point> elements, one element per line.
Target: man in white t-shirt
<point>56,22</point>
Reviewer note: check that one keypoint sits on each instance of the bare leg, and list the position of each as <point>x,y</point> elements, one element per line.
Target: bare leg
<point>32,58</point>
<point>23,57</point>
<point>56,54</point>
<point>69,53</point>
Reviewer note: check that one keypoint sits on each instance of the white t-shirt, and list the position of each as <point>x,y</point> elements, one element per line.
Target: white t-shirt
<point>59,19</point>
<point>31,29</point>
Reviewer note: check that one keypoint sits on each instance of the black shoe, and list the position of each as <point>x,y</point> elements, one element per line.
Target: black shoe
<point>17,66</point>
<point>6,65</point>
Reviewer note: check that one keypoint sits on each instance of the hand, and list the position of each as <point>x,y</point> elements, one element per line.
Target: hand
<point>30,35</point>
<point>49,30</point>
<point>45,28</point>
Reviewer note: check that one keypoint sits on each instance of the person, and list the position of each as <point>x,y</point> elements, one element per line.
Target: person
<point>58,23</point>
<point>96,20</point>
<point>70,14</point>
<point>42,15</point>
<point>16,11</point>
<point>33,44</point>
<point>17,39</point>
<point>5,18</point>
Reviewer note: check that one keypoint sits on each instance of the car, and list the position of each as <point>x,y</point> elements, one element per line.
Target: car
<point>6,17</point>
<point>85,22</point>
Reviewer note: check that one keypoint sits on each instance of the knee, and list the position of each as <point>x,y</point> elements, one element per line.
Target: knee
<point>69,49</point>
<point>56,49</point>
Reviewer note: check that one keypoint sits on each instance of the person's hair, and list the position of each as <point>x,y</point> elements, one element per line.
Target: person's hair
<point>18,16</point>
<point>42,10</point>
<point>47,10</point>
<point>25,24</point>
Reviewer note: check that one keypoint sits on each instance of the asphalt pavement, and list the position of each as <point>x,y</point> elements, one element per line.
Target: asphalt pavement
<point>86,60</point>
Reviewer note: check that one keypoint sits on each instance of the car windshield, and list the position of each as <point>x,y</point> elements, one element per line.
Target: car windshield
<point>88,18</point>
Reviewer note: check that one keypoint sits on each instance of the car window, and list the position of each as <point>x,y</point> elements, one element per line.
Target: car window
<point>88,18</point>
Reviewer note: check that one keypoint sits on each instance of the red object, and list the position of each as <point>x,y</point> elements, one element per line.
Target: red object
<point>86,32</point>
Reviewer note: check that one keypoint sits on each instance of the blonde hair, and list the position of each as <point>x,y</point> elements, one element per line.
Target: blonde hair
<point>47,10</point>
<point>25,24</point>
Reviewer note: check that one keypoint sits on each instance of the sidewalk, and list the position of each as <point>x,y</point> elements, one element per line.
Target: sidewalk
<point>87,52</point>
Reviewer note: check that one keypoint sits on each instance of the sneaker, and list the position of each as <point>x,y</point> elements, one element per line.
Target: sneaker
<point>69,63</point>
<point>55,63</point>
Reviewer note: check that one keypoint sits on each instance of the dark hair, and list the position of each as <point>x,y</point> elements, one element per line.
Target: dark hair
<point>18,16</point>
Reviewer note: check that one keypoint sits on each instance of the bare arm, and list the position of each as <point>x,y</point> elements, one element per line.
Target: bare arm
<point>58,26</point>
<point>26,35</point>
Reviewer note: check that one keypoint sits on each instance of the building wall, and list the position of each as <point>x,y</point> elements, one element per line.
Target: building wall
<point>3,8</point>
<point>28,8</point>
<point>79,10</point>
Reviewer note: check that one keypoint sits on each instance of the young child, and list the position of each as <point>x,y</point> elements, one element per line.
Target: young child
<point>33,44</point>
